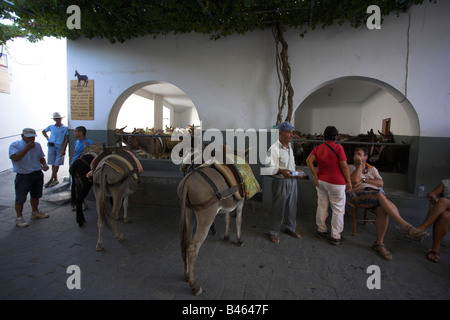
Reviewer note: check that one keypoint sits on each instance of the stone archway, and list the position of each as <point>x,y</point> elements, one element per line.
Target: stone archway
<point>161,176</point>
<point>162,93</point>
<point>366,92</point>
<point>358,104</point>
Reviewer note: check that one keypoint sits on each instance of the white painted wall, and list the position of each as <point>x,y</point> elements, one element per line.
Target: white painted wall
<point>223,83</point>
<point>316,116</point>
<point>339,52</point>
<point>383,105</point>
<point>358,117</point>
<point>136,112</point>
<point>188,116</point>
<point>233,81</point>
<point>38,83</point>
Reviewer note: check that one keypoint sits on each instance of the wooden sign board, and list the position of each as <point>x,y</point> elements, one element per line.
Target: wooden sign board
<point>82,100</point>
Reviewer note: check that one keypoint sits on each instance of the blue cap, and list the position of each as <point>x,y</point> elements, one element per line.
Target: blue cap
<point>285,126</point>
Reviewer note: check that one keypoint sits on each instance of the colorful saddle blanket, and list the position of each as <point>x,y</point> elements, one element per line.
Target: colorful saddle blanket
<point>239,173</point>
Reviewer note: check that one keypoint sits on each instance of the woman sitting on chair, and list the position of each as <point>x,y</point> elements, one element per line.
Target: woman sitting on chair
<point>368,192</point>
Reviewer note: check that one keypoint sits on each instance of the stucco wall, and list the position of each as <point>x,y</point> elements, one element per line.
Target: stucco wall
<point>233,81</point>
<point>235,77</point>
<point>37,89</point>
<point>339,52</point>
<point>229,77</point>
<point>383,105</point>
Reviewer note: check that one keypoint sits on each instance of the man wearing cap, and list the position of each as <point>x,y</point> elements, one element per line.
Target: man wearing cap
<point>281,165</point>
<point>57,144</point>
<point>28,161</point>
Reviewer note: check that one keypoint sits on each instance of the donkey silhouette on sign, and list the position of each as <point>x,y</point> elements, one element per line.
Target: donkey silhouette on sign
<point>81,78</point>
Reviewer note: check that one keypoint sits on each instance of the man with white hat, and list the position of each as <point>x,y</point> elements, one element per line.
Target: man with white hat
<point>28,161</point>
<point>280,164</point>
<point>57,144</point>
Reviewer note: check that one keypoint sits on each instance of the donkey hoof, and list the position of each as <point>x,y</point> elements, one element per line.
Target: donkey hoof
<point>226,238</point>
<point>121,238</point>
<point>240,243</point>
<point>99,248</point>
<point>126,220</point>
<point>197,291</point>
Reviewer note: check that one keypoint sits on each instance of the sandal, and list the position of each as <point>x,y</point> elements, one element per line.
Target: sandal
<point>414,233</point>
<point>274,238</point>
<point>293,233</point>
<point>433,256</point>
<point>385,255</point>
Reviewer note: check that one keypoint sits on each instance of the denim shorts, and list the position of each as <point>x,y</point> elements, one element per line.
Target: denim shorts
<point>32,183</point>
<point>54,156</point>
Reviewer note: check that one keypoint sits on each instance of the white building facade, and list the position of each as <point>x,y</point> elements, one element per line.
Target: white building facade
<point>233,81</point>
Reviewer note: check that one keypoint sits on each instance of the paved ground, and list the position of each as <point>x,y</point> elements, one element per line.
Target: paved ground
<point>148,265</point>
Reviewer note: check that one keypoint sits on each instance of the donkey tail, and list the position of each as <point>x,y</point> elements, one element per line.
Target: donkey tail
<point>184,241</point>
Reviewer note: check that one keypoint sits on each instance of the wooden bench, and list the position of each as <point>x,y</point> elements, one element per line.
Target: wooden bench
<point>354,212</point>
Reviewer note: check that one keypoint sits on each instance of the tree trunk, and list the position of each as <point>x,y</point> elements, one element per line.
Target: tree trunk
<point>284,75</point>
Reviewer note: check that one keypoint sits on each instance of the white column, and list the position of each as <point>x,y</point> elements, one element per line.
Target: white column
<point>158,112</point>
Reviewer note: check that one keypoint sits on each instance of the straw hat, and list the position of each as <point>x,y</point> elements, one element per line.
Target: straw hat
<point>57,115</point>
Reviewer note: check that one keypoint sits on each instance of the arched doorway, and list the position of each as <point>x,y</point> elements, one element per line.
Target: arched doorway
<point>358,105</point>
<point>161,96</point>
<point>151,105</point>
<point>161,176</point>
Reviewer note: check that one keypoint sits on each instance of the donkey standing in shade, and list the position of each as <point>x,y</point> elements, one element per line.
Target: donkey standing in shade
<point>114,175</point>
<point>205,192</point>
<point>194,189</point>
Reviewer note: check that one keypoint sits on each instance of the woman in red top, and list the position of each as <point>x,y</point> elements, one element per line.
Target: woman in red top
<point>332,180</point>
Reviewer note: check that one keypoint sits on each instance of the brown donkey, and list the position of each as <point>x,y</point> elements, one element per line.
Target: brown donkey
<point>204,193</point>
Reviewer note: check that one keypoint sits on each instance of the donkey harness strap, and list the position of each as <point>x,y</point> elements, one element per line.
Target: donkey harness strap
<point>115,167</point>
<point>218,195</point>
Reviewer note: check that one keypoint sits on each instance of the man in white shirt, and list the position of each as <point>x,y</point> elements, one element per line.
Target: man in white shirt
<point>281,165</point>
<point>28,161</point>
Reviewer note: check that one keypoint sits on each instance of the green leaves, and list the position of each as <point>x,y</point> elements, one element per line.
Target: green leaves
<point>118,20</point>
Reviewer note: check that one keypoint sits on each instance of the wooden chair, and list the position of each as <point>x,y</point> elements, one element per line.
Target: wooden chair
<point>354,212</point>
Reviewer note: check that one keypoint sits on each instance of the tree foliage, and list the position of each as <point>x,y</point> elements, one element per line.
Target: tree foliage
<point>120,20</point>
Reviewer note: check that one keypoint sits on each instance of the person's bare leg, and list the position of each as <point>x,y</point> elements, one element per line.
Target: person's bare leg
<point>440,229</point>
<point>434,213</point>
<point>34,204</point>
<point>381,225</point>
<point>54,173</point>
<point>19,209</point>
<point>391,209</point>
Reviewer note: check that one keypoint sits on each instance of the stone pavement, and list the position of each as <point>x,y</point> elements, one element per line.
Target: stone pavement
<point>148,265</point>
